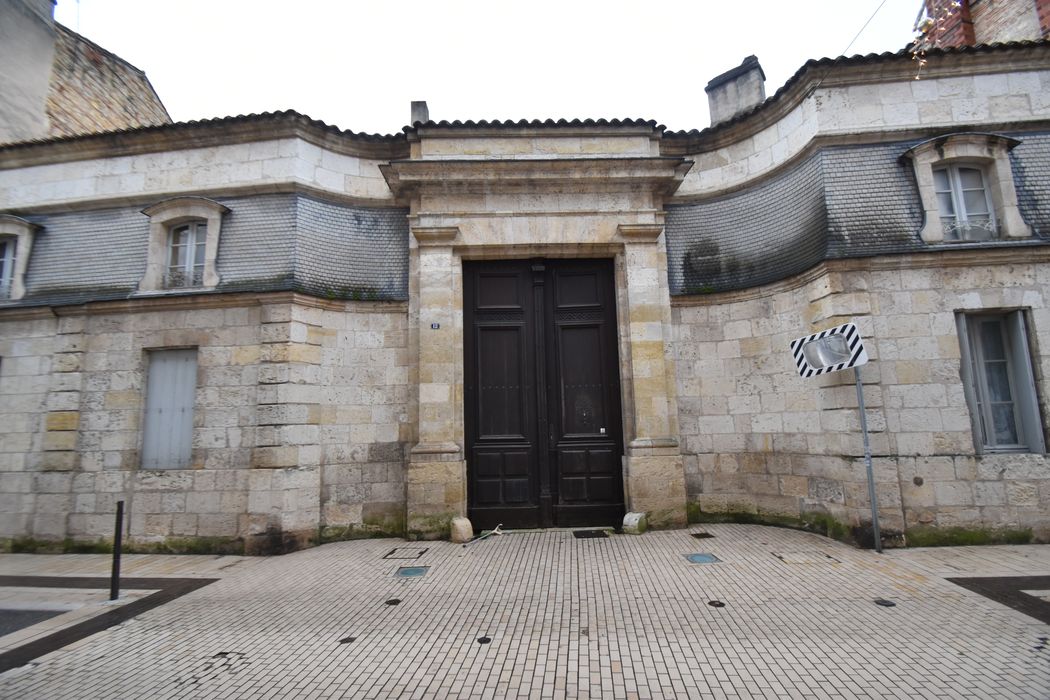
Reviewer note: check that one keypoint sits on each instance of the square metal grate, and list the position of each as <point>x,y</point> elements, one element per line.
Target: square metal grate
<point>405,553</point>
<point>589,534</point>
<point>702,558</point>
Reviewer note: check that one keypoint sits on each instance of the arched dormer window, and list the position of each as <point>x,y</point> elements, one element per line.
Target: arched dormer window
<point>967,188</point>
<point>16,242</point>
<point>183,244</point>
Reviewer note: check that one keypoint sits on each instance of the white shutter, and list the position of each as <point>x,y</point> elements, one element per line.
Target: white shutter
<point>167,441</point>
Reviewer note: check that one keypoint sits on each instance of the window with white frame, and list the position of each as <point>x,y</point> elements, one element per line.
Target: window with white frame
<point>186,254</point>
<point>171,390</point>
<point>16,243</point>
<point>999,382</point>
<point>964,203</point>
<point>966,185</point>
<point>8,246</point>
<point>183,244</point>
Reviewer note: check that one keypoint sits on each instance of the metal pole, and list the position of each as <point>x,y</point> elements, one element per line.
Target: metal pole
<point>118,528</point>
<point>867,463</point>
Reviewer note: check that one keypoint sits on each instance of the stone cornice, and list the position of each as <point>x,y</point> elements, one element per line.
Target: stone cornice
<point>203,134</point>
<point>192,302</point>
<point>973,257</point>
<point>140,201</point>
<point>407,178</point>
<point>435,235</point>
<point>858,70</point>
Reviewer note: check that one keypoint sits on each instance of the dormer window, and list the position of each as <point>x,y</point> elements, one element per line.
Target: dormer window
<point>7,265</point>
<point>186,254</point>
<point>183,244</point>
<point>967,190</point>
<point>16,242</point>
<point>964,205</point>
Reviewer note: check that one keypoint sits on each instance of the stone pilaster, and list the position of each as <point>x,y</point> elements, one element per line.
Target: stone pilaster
<point>62,421</point>
<point>436,478</point>
<point>284,500</point>
<point>655,482</point>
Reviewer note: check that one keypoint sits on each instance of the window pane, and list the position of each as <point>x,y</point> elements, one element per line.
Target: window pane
<point>945,205</point>
<point>975,202</point>
<point>971,179</point>
<point>998,376</point>
<point>992,340</point>
<point>940,180</point>
<point>1005,425</point>
<point>199,257</point>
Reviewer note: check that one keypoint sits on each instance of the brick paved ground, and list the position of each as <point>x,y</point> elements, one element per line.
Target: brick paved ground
<point>619,617</point>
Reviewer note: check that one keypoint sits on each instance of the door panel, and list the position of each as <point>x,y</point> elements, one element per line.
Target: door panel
<point>542,397</point>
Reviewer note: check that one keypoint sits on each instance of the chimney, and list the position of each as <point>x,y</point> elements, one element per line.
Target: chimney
<point>736,90</point>
<point>947,24</point>
<point>420,113</point>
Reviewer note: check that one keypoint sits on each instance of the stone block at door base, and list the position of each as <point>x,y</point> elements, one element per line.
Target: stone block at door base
<point>436,494</point>
<point>656,487</point>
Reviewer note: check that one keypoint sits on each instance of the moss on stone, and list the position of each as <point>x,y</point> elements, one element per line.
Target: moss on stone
<point>820,523</point>
<point>925,536</point>
<point>431,527</point>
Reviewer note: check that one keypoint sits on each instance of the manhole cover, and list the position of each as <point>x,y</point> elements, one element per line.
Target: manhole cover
<point>885,603</point>
<point>702,558</point>
<point>405,553</point>
<point>588,534</point>
<point>347,640</point>
<point>393,601</point>
<point>716,604</point>
<point>484,640</point>
<point>412,571</point>
<point>701,535</point>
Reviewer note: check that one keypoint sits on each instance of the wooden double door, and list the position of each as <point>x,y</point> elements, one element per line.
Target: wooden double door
<point>542,394</point>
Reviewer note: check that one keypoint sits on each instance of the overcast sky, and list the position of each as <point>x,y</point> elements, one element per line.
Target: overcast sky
<point>358,63</point>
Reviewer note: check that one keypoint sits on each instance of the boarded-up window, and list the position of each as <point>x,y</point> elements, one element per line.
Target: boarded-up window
<point>167,441</point>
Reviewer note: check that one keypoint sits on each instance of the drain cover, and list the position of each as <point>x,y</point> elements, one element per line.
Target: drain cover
<point>412,571</point>
<point>885,603</point>
<point>701,535</point>
<point>484,640</point>
<point>393,601</point>
<point>702,558</point>
<point>405,553</point>
<point>588,534</point>
<point>716,604</point>
<point>806,558</point>
<point>347,640</point>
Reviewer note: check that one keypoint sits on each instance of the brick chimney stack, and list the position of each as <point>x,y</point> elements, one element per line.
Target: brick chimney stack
<point>951,24</point>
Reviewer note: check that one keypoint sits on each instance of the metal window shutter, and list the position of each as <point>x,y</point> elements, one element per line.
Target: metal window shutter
<point>167,441</point>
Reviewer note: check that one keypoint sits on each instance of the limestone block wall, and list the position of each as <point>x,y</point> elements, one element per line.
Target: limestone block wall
<point>758,438</point>
<point>366,418</point>
<point>300,418</point>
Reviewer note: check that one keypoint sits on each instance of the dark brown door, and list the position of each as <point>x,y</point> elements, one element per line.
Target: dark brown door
<point>542,394</point>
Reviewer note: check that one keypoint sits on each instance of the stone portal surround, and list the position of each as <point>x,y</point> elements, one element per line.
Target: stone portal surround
<point>437,478</point>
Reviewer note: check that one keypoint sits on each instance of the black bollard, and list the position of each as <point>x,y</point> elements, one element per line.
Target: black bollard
<point>114,579</point>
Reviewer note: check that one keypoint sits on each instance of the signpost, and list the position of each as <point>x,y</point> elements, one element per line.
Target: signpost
<point>833,350</point>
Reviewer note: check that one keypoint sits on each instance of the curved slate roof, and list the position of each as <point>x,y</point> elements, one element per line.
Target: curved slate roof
<point>278,242</point>
<point>840,202</point>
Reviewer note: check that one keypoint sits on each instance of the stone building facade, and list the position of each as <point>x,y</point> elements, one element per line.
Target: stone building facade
<point>263,331</point>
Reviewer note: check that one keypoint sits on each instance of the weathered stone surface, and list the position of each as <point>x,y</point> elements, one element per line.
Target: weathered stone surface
<point>462,531</point>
